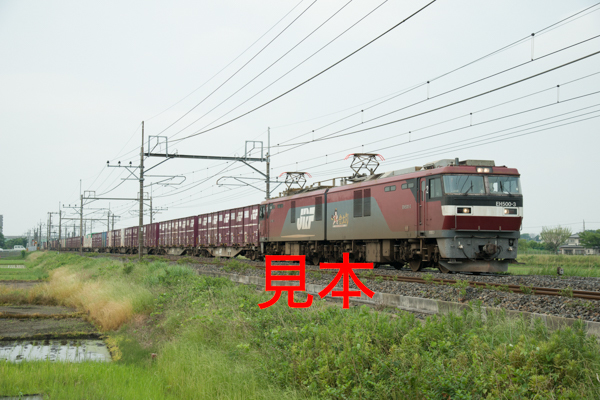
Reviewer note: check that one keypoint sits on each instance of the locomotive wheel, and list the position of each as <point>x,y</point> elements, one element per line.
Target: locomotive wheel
<point>443,269</point>
<point>415,264</point>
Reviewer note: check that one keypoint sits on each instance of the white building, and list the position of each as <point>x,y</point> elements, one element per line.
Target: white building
<point>574,247</point>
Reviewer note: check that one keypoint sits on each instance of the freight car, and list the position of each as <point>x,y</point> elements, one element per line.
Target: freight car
<point>451,215</point>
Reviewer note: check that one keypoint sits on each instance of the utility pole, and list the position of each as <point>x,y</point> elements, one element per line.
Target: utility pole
<point>81,226</point>
<point>268,163</point>
<point>141,223</point>
<point>151,216</point>
<point>59,226</point>
<point>113,222</point>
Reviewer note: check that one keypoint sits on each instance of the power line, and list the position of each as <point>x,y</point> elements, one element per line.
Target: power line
<point>328,137</point>
<point>471,125</point>
<point>231,62</point>
<point>242,67</point>
<point>288,72</point>
<point>266,69</point>
<point>430,98</point>
<point>311,78</point>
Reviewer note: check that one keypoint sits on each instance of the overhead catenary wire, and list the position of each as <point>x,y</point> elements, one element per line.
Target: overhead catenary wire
<point>267,68</point>
<point>239,69</point>
<point>231,62</point>
<point>470,125</point>
<point>311,78</point>
<point>289,71</point>
<point>508,46</point>
<point>329,137</point>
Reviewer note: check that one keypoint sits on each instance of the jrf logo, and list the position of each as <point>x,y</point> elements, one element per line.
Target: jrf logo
<point>307,216</point>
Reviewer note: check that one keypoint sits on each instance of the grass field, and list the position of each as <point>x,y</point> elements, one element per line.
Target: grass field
<point>12,262</point>
<point>212,341</point>
<point>546,264</point>
<point>13,274</point>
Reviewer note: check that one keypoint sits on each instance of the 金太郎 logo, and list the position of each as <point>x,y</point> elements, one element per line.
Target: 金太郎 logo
<point>339,220</point>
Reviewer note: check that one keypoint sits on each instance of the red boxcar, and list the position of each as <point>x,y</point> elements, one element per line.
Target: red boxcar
<point>237,227</point>
<point>251,225</point>
<point>151,235</point>
<point>223,228</point>
<point>131,237</point>
<point>213,219</point>
<point>188,232</point>
<point>202,230</point>
<point>97,241</point>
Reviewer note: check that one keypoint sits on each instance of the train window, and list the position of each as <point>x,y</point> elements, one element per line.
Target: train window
<point>357,203</point>
<point>280,205</point>
<point>318,208</point>
<point>504,184</point>
<point>392,188</point>
<point>261,214</point>
<point>293,213</point>
<point>367,203</point>
<point>435,188</point>
<point>463,184</point>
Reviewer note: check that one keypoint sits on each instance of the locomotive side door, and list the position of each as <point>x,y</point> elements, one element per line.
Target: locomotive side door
<point>422,205</point>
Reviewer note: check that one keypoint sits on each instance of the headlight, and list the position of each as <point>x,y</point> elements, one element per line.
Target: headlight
<point>484,170</point>
<point>510,211</point>
<point>463,210</point>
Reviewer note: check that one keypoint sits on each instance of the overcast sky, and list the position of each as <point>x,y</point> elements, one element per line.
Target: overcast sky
<point>78,77</point>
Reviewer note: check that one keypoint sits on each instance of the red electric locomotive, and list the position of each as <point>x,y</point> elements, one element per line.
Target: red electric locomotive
<point>451,215</point>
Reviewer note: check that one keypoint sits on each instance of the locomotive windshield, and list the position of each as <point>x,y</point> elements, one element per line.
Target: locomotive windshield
<point>464,184</point>
<point>504,184</point>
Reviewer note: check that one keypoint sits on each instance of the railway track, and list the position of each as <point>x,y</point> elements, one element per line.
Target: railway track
<point>522,289</point>
<point>582,294</point>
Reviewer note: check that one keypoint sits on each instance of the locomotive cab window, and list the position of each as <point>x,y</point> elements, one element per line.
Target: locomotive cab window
<point>464,184</point>
<point>261,213</point>
<point>504,184</point>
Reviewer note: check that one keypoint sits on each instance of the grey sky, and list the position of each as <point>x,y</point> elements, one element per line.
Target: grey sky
<point>77,78</point>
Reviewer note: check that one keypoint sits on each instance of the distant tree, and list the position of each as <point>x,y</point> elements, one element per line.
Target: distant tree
<point>523,244</point>
<point>526,236</point>
<point>590,238</point>
<point>1,240</point>
<point>11,243</point>
<point>555,237</point>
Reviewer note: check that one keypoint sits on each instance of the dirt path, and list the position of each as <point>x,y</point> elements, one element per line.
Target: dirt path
<point>19,284</point>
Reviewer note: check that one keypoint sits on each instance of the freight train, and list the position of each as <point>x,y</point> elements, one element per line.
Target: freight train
<point>451,215</point>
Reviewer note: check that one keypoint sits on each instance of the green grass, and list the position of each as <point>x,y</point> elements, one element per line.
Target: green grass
<point>4,261</point>
<point>212,341</point>
<point>584,266</point>
<point>13,274</point>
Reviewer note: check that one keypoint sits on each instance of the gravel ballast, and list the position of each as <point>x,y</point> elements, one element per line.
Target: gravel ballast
<point>553,305</point>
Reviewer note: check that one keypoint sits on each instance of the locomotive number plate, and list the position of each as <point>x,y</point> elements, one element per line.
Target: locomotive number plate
<point>506,204</point>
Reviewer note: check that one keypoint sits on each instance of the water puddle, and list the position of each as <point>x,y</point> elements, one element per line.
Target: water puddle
<point>79,350</point>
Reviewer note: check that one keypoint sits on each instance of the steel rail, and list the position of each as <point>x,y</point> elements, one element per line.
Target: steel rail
<point>582,294</point>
